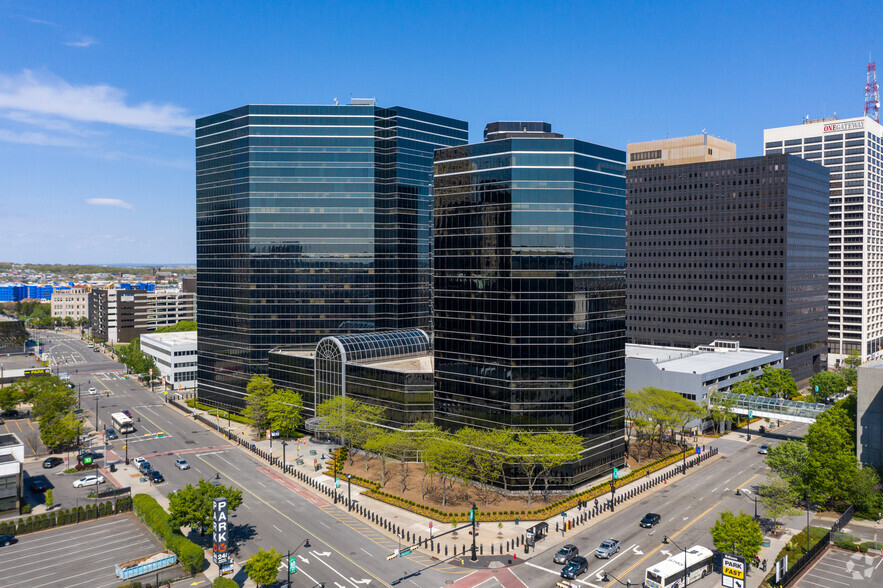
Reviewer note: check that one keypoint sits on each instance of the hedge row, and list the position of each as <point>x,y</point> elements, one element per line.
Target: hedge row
<point>190,555</point>
<point>222,582</point>
<point>539,514</point>
<point>61,517</point>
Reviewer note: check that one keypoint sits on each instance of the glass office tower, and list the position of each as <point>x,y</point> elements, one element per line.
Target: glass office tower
<point>529,289</point>
<point>311,221</point>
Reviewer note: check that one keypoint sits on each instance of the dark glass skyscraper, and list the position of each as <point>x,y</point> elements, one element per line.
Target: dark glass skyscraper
<point>529,289</point>
<point>734,249</point>
<point>311,221</point>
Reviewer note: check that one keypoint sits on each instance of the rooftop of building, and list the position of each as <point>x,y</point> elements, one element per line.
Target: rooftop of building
<point>701,359</point>
<point>520,129</point>
<point>9,440</point>
<point>4,317</point>
<point>7,458</point>
<point>178,338</point>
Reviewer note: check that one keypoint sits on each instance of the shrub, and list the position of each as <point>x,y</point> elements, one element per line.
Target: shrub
<point>190,555</point>
<point>26,509</point>
<point>224,583</point>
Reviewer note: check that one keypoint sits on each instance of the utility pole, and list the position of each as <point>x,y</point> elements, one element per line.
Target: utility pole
<point>472,516</point>
<point>349,492</point>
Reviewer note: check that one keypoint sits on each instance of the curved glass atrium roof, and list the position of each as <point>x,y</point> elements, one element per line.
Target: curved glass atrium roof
<point>383,344</point>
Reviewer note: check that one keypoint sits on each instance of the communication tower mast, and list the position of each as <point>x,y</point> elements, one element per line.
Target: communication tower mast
<point>872,94</point>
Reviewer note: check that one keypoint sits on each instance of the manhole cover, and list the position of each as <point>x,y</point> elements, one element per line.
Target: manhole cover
<point>449,581</point>
<point>189,442</point>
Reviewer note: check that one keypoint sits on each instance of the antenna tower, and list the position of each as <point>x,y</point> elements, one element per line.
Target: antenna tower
<point>872,94</point>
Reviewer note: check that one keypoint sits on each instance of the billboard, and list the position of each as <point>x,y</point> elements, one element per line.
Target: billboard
<point>220,545</point>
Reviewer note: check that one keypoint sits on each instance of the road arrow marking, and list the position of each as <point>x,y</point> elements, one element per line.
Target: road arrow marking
<point>665,552</point>
<point>322,554</point>
<point>304,559</point>
<point>354,581</point>
<point>686,518</point>
<point>197,583</point>
<point>637,551</point>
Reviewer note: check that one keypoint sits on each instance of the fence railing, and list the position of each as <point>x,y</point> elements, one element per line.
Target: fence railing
<point>808,557</point>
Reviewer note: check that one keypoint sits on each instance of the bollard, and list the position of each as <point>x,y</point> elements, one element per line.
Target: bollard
<point>481,549</point>
<point>408,536</point>
<point>556,526</point>
<point>507,546</point>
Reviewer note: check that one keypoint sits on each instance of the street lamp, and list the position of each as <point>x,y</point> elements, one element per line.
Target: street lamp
<point>126,444</point>
<point>472,516</point>
<point>666,540</point>
<point>304,543</point>
<point>284,445</point>
<point>607,577</point>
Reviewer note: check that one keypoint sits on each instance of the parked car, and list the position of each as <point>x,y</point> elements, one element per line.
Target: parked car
<point>156,477</point>
<point>763,449</point>
<point>51,462</point>
<point>650,520</point>
<point>182,464</point>
<point>607,548</point>
<point>144,467</point>
<point>112,434</point>
<point>93,480</point>
<point>10,414</point>
<point>93,454</point>
<point>7,539</point>
<point>39,486</point>
<point>138,461</point>
<point>566,553</point>
<point>93,391</point>
<point>575,567</point>
<point>127,413</point>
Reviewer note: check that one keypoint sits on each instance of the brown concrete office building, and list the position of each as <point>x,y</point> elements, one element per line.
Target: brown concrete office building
<point>734,249</point>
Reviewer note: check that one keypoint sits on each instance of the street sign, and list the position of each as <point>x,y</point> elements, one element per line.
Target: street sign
<point>292,565</point>
<point>268,433</point>
<point>750,415</point>
<point>219,531</point>
<point>698,450</point>
<point>733,566</point>
<point>615,473</point>
<point>337,482</point>
<point>87,460</point>
<point>781,568</point>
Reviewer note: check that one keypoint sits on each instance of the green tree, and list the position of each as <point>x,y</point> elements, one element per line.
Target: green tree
<point>352,420</point>
<point>446,459</point>
<point>263,566</point>
<point>425,434</point>
<point>778,498</point>
<point>68,322</point>
<point>59,431</point>
<point>750,386</point>
<point>788,460</point>
<point>665,409</point>
<point>866,495</point>
<point>739,534</point>
<point>178,327</point>
<point>636,413</point>
<point>10,397</point>
<point>259,390</point>
<point>380,444</point>
<point>854,359</point>
<point>558,448</point>
<point>50,402</point>
<point>401,447</point>
<point>49,499</point>
<point>777,381</point>
<point>191,506</point>
<point>487,454</point>
<point>537,454</point>
<point>828,384</point>
<point>831,465</point>
<point>720,409</point>
<point>284,411</point>
<point>850,374</point>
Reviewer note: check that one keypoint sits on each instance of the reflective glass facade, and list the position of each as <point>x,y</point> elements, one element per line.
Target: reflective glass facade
<point>529,291</point>
<point>735,249</point>
<point>311,221</point>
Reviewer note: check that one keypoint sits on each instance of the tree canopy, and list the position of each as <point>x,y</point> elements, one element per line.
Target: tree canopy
<point>263,566</point>
<point>828,384</point>
<point>354,421</point>
<point>738,534</point>
<point>191,506</point>
<point>178,327</point>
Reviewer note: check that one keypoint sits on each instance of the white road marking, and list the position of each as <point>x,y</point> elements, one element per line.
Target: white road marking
<point>366,551</point>
<point>228,461</point>
<point>324,563</point>
<point>278,529</point>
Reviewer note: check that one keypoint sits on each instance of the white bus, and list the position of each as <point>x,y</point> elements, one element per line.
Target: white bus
<point>122,423</point>
<point>670,573</point>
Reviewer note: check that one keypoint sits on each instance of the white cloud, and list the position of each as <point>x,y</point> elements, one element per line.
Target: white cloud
<point>109,202</point>
<point>83,42</point>
<point>48,23</point>
<point>53,96</point>
<point>38,138</point>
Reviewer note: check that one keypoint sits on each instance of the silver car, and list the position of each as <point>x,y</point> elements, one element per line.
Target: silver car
<point>182,464</point>
<point>566,553</point>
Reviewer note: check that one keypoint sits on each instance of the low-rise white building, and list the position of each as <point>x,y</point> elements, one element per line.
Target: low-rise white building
<point>12,456</point>
<point>695,373</point>
<point>175,355</point>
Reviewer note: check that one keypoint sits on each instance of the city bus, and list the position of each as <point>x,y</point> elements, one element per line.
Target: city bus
<point>122,423</point>
<point>670,573</point>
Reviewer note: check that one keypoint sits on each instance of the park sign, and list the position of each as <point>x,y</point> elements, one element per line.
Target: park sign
<point>220,545</point>
<point>733,570</point>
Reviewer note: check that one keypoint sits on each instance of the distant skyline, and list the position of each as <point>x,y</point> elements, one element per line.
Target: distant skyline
<point>98,100</point>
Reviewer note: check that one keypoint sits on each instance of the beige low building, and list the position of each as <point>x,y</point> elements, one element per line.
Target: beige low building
<point>679,150</point>
<point>73,303</point>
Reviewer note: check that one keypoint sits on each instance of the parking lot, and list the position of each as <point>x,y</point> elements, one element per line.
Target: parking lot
<point>26,430</point>
<point>63,491</point>
<point>76,555</point>
<point>838,568</point>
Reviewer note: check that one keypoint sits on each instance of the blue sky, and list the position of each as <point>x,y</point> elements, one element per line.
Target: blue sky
<point>97,99</point>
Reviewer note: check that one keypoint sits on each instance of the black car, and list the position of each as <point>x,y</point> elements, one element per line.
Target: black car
<point>10,414</point>
<point>39,486</point>
<point>93,454</point>
<point>575,567</point>
<point>51,462</point>
<point>112,434</point>
<point>156,477</point>
<point>650,519</point>
<point>7,539</point>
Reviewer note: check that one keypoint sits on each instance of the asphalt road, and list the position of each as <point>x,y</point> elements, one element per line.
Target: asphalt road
<point>347,553</point>
<point>75,556</point>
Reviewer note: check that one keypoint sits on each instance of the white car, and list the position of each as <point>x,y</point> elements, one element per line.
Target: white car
<point>93,391</point>
<point>138,461</point>
<point>89,481</point>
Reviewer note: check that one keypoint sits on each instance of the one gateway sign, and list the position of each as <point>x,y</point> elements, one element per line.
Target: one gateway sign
<point>220,544</point>
<point>845,126</point>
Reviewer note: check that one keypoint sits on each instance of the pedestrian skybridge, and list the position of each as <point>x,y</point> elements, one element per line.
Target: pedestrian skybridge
<point>775,408</point>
